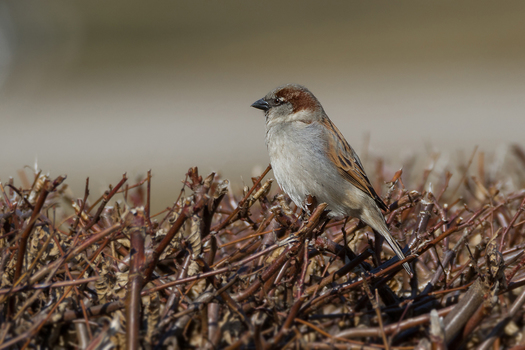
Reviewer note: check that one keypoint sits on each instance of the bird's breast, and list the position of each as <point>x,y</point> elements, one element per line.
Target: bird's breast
<point>299,162</point>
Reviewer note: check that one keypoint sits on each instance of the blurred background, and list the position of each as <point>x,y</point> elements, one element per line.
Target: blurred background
<point>99,88</point>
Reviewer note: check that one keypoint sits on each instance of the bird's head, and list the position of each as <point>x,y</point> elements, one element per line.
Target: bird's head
<point>289,103</point>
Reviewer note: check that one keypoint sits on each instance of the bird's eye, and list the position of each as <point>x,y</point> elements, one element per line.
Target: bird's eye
<point>278,101</point>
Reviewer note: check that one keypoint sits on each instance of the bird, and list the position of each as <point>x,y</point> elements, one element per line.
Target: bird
<point>310,157</point>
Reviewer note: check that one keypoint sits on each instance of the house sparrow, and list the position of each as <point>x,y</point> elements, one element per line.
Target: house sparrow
<point>310,156</point>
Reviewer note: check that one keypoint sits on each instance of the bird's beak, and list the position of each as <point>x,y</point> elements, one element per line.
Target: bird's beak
<point>261,104</point>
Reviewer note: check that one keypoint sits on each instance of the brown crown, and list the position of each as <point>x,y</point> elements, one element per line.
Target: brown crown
<point>300,98</point>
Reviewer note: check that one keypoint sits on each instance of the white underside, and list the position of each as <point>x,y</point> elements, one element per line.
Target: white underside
<point>301,168</point>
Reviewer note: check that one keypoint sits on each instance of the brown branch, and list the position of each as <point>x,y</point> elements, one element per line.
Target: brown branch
<point>343,271</point>
<point>103,309</point>
<point>75,251</point>
<point>82,207</point>
<point>22,245</point>
<point>496,331</point>
<point>152,261</point>
<point>107,196</point>
<point>521,208</point>
<point>287,254</point>
<point>48,285</point>
<point>148,201</point>
<point>25,234</point>
<point>135,283</point>
<point>222,291</point>
<point>462,312</point>
<point>21,196</point>
<point>211,273</point>
<point>464,172</point>
<point>242,202</point>
<point>292,314</point>
<point>391,328</point>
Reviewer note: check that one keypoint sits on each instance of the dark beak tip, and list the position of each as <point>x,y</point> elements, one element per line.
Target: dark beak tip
<point>261,104</point>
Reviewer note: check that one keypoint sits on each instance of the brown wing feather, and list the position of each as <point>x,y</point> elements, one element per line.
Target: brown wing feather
<point>348,163</point>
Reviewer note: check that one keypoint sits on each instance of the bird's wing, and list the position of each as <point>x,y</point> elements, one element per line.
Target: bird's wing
<point>348,163</point>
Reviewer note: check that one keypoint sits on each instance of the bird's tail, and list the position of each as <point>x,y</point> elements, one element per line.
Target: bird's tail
<point>376,220</point>
<point>397,249</point>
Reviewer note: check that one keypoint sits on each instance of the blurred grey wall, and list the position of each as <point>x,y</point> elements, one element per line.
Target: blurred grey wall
<point>98,88</point>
